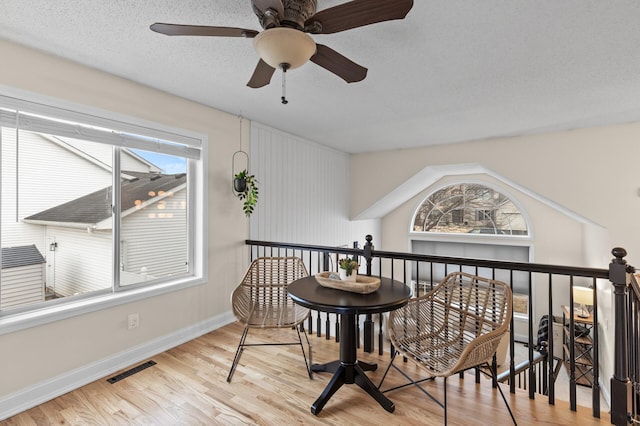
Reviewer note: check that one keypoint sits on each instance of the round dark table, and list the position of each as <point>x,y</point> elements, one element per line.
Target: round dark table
<point>348,370</point>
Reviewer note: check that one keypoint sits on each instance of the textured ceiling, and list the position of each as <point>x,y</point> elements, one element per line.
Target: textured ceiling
<point>453,70</point>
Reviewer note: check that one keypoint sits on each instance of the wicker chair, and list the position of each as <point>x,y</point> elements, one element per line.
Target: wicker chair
<point>261,301</point>
<point>456,326</point>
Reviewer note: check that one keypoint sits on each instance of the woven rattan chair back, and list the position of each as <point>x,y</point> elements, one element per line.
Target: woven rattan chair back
<point>456,326</point>
<point>261,301</point>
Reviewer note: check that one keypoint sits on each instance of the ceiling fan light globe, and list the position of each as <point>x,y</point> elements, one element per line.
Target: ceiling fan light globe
<point>284,45</point>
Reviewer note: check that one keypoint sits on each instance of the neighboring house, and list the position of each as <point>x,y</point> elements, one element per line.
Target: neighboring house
<point>22,276</point>
<point>40,172</point>
<point>153,240</point>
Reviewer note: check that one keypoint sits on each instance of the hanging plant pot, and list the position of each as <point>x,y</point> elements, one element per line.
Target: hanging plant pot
<point>239,185</point>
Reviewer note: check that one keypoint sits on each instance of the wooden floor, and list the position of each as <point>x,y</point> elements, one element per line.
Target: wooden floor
<point>188,386</point>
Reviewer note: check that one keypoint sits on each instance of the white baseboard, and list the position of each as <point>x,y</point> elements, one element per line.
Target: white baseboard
<point>39,393</point>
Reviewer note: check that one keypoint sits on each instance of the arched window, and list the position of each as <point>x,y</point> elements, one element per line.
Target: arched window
<point>469,208</point>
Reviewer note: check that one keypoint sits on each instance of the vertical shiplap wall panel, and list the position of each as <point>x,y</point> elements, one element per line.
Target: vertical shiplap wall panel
<point>304,191</point>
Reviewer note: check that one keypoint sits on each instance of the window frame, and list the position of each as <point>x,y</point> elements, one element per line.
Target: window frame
<point>506,239</point>
<point>71,306</point>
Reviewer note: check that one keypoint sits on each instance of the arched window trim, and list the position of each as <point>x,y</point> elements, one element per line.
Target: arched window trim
<point>451,180</point>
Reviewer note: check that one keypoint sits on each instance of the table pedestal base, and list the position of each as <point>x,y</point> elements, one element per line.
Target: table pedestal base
<point>348,374</point>
<point>348,369</point>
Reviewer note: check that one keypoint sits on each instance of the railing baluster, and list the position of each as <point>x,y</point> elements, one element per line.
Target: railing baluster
<point>512,347</point>
<point>572,350</point>
<point>595,386</point>
<point>380,335</point>
<point>550,348</point>
<point>318,324</point>
<point>532,379</point>
<point>327,328</point>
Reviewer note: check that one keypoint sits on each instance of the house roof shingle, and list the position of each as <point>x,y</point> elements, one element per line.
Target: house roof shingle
<point>13,257</point>
<point>96,207</point>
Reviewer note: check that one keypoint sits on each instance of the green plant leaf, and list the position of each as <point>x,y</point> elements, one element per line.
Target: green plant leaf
<point>349,265</point>
<point>250,194</point>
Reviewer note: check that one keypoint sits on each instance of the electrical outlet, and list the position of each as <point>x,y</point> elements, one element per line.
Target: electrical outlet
<point>132,321</point>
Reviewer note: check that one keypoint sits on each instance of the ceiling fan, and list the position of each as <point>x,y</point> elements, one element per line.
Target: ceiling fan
<point>285,43</point>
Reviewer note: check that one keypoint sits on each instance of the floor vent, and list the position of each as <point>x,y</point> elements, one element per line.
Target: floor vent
<point>131,372</point>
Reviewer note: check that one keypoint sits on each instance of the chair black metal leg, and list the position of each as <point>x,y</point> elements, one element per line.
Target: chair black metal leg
<point>243,344</point>
<point>445,401</point>
<point>495,378</point>
<point>384,376</point>
<point>304,355</point>
<point>236,358</point>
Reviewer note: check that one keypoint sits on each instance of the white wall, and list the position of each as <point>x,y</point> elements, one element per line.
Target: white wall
<point>308,193</point>
<point>80,347</point>
<point>304,198</point>
<point>589,173</point>
<point>304,192</point>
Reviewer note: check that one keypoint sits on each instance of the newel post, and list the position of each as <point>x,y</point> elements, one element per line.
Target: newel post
<point>620,387</point>
<point>367,252</point>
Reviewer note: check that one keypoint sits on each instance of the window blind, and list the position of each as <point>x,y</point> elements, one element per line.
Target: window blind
<point>33,117</point>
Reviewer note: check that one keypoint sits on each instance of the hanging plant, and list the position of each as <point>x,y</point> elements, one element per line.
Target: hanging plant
<point>246,188</point>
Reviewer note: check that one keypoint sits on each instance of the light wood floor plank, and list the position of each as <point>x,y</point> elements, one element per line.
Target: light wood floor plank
<point>271,387</point>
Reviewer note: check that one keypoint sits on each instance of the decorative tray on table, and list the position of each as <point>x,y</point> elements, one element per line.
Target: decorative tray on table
<point>363,284</point>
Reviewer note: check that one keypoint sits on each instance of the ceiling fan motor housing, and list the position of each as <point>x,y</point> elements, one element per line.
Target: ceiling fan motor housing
<point>296,12</point>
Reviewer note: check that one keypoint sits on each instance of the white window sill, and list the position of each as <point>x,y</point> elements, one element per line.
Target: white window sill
<point>48,314</point>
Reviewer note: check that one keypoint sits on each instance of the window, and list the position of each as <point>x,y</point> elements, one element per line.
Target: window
<point>485,216</point>
<point>457,216</point>
<point>73,184</point>
<point>471,209</point>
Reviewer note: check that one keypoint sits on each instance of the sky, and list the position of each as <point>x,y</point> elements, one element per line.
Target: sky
<point>170,164</point>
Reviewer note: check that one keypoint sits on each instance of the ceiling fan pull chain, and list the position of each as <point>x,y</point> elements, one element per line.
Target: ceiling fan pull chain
<point>284,83</point>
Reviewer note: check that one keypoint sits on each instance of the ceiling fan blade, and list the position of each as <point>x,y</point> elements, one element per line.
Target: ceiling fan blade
<point>201,30</point>
<point>261,75</point>
<point>340,65</point>
<point>263,5</point>
<point>357,13</point>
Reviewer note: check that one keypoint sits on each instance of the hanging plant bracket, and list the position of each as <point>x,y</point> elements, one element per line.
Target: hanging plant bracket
<point>244,185</point>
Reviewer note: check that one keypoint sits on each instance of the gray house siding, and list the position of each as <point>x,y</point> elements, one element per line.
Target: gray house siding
<point>22,278</point>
